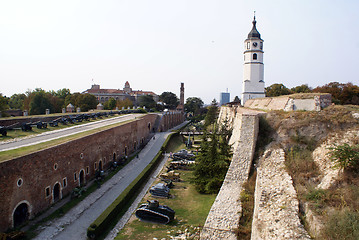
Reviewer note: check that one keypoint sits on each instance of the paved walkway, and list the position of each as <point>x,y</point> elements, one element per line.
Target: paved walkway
<point>51,135</point>
<point>74,224</point>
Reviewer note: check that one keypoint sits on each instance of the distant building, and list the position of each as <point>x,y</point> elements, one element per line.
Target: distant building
<point>104,95</point>
<point>224,98</point>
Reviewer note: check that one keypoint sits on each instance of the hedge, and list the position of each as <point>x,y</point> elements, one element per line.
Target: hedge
<point>118,207</point>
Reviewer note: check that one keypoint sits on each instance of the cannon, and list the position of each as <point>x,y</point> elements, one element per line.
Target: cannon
<point>39,124</point>
<point>171,175</point>
<point>152,211</point>
<point>3,130</point>
<point>26,127</point>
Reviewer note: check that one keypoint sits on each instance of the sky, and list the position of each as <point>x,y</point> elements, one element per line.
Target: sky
<point>157,44</point>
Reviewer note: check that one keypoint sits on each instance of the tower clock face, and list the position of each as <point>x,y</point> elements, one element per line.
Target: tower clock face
<point>255,44</point>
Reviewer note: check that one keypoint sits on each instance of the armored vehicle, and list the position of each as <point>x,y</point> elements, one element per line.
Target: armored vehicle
<point>160,190</point>
<point>154,212</point>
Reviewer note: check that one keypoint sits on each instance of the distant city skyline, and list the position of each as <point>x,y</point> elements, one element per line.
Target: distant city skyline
<point>156,45</point>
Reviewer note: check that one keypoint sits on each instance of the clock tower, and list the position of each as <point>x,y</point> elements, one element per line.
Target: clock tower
<point>253,73</point>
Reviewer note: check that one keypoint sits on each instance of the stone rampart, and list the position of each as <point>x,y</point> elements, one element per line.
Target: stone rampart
<point>276,206</point>
<point>223,218</point>
<point>308,102</point>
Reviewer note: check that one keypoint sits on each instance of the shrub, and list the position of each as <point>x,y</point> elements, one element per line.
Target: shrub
<point>345,156</point>
<point>342,225</point>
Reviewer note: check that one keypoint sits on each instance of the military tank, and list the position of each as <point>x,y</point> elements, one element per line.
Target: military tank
<point>154,212</point>
<point>160,190</point>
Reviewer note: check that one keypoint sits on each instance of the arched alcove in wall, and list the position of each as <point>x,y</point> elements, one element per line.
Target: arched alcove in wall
<point>21,214</point>
<point>82,177</point>
<point>56,192</point>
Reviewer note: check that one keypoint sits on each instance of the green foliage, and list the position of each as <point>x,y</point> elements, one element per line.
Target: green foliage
<point>169,99</point>
<point>124,103</point>
<point>39,103</point>
<point>277,89</point>
<point>110,104</point>
<point>17,101</point>
<point>342,225</point>
<point>316,195</point>
<point>345,156</point>
<point>301,89</point>
<point>193,104</point>
<point>87,101</point>
<point>3,105</point>
<point>212,163</point>
<point>147,101</point>
<point>212,114</point>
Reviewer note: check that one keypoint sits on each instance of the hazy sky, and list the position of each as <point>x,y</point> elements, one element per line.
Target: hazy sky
<point>157,44</point>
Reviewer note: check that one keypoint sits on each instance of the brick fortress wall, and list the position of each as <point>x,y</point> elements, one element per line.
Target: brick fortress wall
<point>36,179</point>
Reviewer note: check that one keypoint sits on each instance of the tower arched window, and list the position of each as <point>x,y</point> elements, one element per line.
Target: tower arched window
<point>254,56</point>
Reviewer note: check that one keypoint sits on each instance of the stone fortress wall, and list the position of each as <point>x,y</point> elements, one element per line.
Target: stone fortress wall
<point>34,182</point>
<point>276,205</point>
<point>308,102</point>
<point>223,218</point>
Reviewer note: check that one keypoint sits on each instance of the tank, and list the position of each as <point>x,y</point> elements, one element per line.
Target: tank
<point>160,190</point>
<point>152,211</point>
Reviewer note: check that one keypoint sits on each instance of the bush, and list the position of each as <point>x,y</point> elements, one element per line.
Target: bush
<point>342,225</point>
<point>345,156</point>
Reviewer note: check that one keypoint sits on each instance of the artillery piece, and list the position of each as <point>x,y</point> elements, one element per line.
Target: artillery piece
<point>171,175</point>
<point>153,212</point>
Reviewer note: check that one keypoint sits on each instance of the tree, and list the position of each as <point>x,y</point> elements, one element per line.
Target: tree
<point>39,103</point>
<point>169,99</point>
<point>301,89</point>
<point>110,104</point>
<point>147,101</point>
<point>277,89</point>
<point>212,163</point>
<point>341,93</point>
<point>17,101</point>
<point>212,114</point>
<point>3,105</point>
<point>87,101</point>
<point>124,103</point>
<point>193,104</point>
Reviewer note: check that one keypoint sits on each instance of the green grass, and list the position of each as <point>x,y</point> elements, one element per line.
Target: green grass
<point>18,133</point>
<point>191,208</point>
<point>191,211</point>
<point>14,153</point>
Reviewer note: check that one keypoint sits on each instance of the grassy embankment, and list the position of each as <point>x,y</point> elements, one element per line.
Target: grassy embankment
<point>10,154</point>
<point>191,208</point>
<point>337,207</point>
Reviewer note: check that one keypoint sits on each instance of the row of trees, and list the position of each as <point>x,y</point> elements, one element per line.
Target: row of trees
<point>38,100</point>
<point>342,93</point>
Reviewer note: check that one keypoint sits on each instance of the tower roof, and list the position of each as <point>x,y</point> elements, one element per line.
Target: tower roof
<point>254,32</point>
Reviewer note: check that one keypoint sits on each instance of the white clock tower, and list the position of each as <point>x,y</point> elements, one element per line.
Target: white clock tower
<point>253,74</point>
